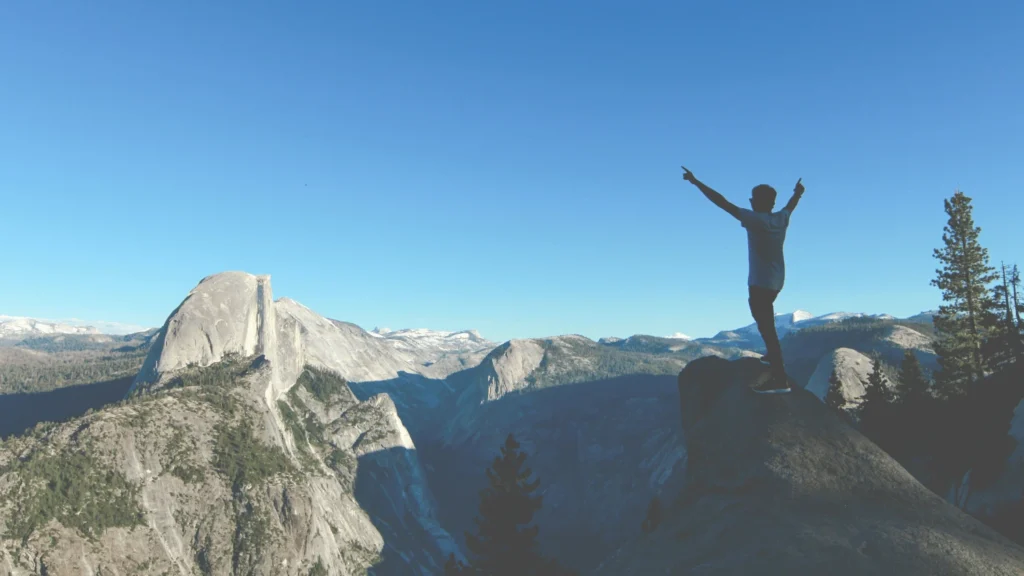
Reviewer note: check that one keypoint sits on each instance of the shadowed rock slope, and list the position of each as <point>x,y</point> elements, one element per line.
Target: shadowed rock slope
<point>779,485</point>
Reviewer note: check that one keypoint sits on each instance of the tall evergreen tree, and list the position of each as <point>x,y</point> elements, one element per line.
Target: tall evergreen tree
<point>834,398</point>
<point>913,412</point>
<point>911,384</point>
<point>502,547</point>
<point>874,409</point>
<point>877,388</point>
<point>967,316</point>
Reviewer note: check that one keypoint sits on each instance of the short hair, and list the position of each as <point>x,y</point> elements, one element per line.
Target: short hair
<point>763,193</point>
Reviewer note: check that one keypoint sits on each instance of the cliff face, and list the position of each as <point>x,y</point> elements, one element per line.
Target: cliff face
<point>236,452</point>
<point>196,480</point>
<point>233,313</point>
<point>779,485</point>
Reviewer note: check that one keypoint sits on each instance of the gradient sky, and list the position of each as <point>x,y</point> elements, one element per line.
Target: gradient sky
<point>506,166</point>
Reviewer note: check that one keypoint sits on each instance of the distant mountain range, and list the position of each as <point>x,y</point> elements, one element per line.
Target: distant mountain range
<point>445,342</point>
<point>437,342</point>
<point>18,327</point>
<point>21,327</point>
<point>749,337</point>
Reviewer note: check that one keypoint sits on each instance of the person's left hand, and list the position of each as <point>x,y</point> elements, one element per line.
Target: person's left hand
<point>687,175</point>
<point>799,189</point>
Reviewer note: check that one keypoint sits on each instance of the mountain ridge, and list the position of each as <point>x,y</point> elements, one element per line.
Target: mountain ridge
<point>27,327</point>
<point>22,327</point>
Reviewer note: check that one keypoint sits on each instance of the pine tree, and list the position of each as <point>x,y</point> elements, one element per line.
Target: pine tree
<point>913,413</point>
<point>966,318</point>
<point>874,407</point>
<point>834,398</point>
<point>501,547</point>
<point>877,388</point>
<point>911,384</point>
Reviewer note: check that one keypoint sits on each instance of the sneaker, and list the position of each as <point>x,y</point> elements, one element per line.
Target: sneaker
<point>766,360</point>
<point>773,385</point>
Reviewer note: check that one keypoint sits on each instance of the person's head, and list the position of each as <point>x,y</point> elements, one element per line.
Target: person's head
<point>762,198</point>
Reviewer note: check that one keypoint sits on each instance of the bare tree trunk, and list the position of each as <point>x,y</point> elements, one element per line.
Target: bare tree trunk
<point>1015,281</point>
<point>1006,297</point>
<point>1013,344</point>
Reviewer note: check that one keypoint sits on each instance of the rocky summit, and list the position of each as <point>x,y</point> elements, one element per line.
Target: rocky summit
<point>780,485</point>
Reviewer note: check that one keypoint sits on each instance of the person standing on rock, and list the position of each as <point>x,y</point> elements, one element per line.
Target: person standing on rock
<point>766,233</point>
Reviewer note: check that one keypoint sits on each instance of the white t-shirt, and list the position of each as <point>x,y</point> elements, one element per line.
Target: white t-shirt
<point>766,233</point>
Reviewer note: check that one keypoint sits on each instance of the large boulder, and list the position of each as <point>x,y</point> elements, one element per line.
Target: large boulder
<point>780,485</point>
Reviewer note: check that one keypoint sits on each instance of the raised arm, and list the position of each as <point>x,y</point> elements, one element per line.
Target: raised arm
<point>715,197</point>
<point>798,192</point>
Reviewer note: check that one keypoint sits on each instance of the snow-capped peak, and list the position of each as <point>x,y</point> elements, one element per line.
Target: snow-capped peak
<point>801,315</point>
<point>798,319</point>
<point>20,327</point>
<point>679,336</point>
<point>439,341</point>
<point>840,316</point>
<point>784,322</point>
<point>837,316</point>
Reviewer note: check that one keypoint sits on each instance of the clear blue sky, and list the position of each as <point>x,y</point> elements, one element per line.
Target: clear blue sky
<point>506,166</point>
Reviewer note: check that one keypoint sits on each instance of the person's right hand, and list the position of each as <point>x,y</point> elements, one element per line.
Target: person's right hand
<point>687,175</point>
<point>799,189</point>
